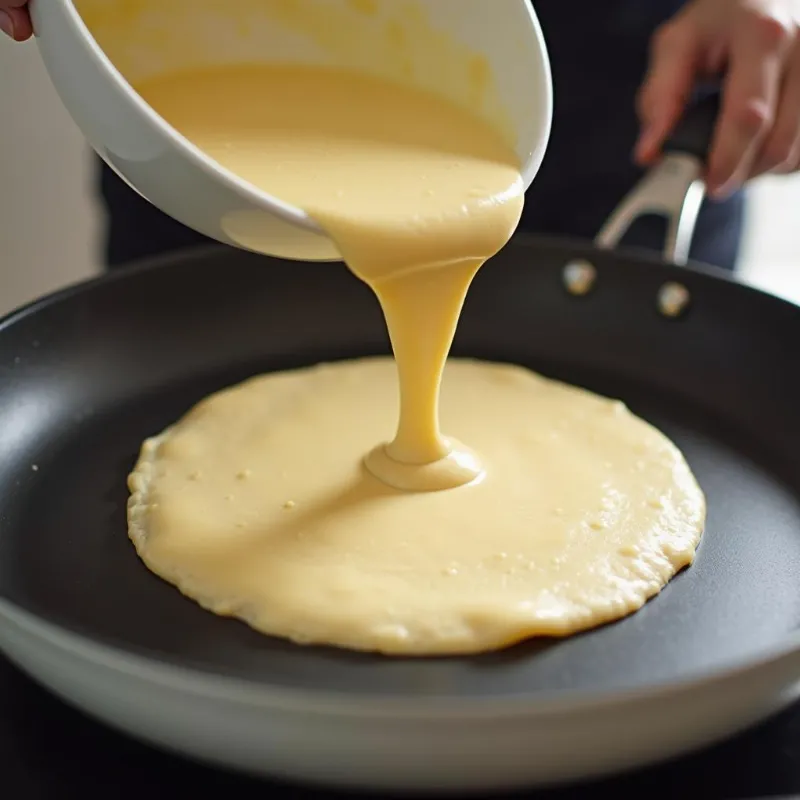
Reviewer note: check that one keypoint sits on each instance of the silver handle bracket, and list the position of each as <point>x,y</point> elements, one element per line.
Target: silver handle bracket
<point>673,189</point>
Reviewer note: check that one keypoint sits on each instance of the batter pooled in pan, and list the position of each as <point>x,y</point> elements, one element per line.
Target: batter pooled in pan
<point>258,505</point>
<point>327,505</point>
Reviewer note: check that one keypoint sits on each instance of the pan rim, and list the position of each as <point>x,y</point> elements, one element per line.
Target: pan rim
<point>585,247</point>
<point>188,676</point>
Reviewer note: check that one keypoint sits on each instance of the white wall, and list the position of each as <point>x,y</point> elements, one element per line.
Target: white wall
<point>771,257</point>
<point>49,222</point>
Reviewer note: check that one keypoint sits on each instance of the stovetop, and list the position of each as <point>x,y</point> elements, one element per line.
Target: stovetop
<point>48,750</point>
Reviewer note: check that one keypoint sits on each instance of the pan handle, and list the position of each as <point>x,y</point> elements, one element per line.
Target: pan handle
<point>674,188</point>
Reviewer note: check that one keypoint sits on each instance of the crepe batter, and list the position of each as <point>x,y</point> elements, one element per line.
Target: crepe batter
<point>288,502</point>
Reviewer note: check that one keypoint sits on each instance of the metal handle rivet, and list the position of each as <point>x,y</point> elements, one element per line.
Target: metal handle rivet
<point>579,277</point>
<point>673,299</point>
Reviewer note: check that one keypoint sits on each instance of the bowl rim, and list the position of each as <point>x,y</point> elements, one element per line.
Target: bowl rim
<point>545,99</point>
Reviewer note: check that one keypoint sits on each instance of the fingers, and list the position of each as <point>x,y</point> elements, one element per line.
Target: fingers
<point>780,151</point>
<point>676,59</point>
<point>15,21</point>
<point>759,44</point>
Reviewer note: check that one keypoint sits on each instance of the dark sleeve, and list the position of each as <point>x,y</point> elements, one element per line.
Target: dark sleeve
<point>135,229</point>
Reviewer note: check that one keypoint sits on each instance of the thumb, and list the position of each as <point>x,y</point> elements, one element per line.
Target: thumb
<point>675,62</point>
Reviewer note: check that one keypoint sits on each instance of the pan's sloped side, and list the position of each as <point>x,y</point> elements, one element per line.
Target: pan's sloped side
<point>393,747</point>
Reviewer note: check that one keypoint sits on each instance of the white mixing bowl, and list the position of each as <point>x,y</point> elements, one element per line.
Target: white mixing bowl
<point>489,56</point>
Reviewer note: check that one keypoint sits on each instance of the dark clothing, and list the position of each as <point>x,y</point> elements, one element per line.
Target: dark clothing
<point>598,51</point>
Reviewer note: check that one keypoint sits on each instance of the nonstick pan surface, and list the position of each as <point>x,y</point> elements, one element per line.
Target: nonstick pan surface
<point>89,373</point>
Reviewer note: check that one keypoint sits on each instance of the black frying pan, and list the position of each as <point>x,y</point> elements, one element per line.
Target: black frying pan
<point>87,374</point>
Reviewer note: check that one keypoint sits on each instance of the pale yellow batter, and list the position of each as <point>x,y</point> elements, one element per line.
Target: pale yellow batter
<point>289,501</point>
<point>257,505</point>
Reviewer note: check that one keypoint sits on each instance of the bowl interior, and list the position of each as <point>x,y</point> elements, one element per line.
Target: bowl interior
<point>496,67</point>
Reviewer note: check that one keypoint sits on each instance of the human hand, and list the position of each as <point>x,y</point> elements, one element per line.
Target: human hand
<point>756,45</point>
<point>15,21</point>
